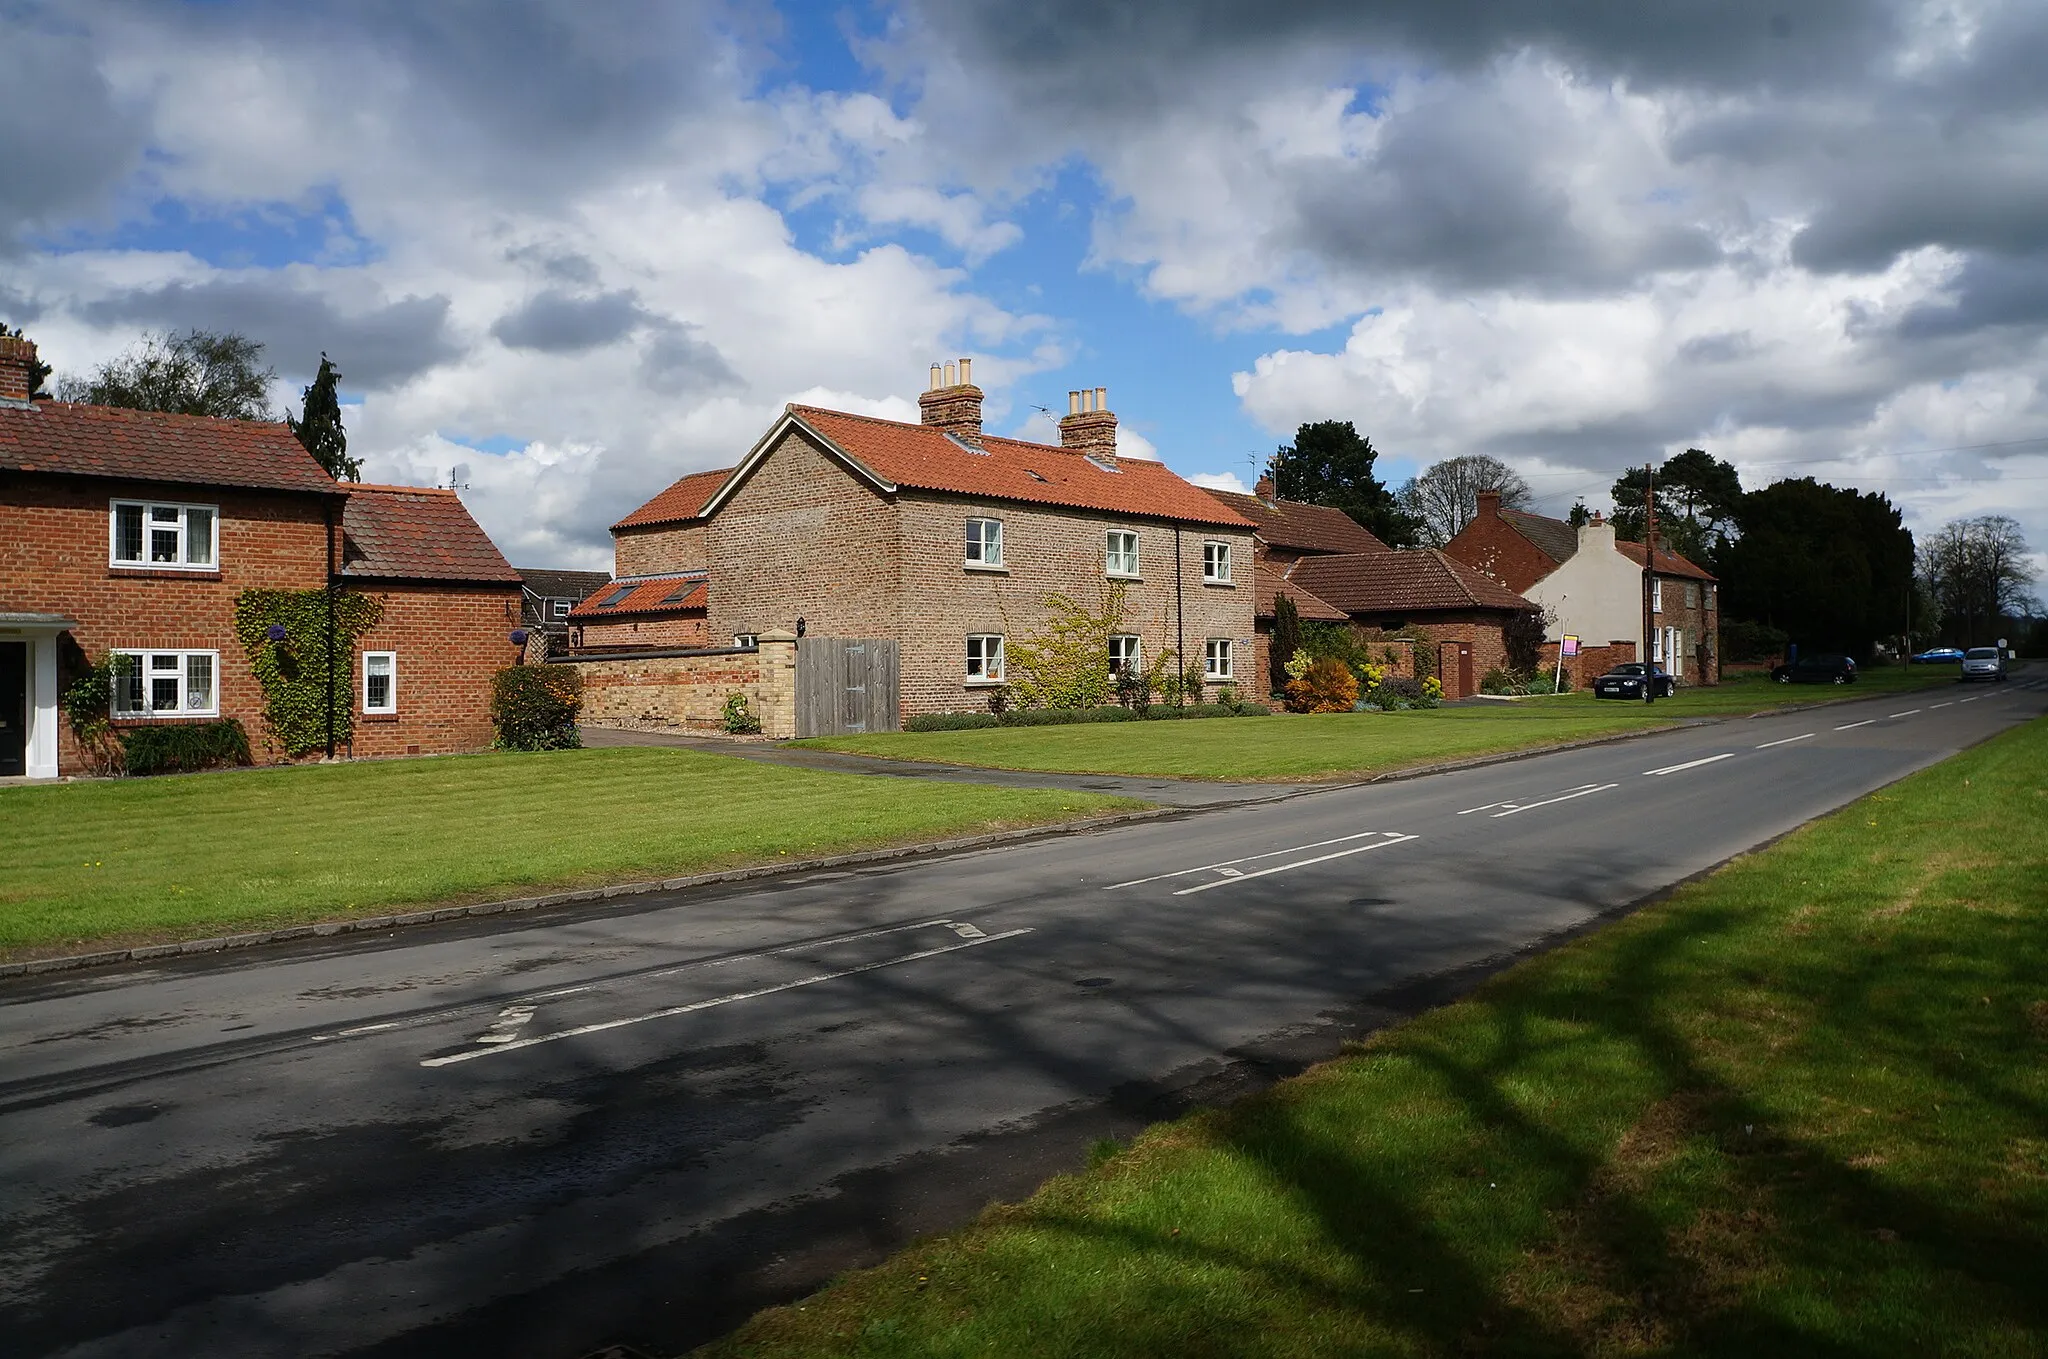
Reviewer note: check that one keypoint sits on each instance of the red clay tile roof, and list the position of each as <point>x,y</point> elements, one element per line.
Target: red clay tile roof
<point>1669,563</point>
<point>1408,581</point>
<point>686,592</point>
<point>1301,527</point>
<point>416,533</point>
<point>103,441</point>
<point>1270,582</point>
<point>1554,538</point>
<point>679,503</point>
<point>923,457</point>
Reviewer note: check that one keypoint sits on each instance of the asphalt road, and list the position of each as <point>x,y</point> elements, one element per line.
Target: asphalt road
<point>636,1126</point>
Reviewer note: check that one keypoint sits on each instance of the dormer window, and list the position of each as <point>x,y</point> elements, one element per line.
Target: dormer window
<point>164,537</point>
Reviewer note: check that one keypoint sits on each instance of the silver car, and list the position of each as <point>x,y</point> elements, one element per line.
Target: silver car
<point>1984,663</point>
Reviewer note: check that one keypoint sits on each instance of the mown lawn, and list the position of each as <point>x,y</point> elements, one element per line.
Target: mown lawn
<point>1800,1108</point>
<point>185,857</point>
<point>1285,747</point>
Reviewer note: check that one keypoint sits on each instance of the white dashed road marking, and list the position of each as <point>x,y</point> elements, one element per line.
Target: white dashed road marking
<point>1689,764</point>
<point>1395,839</point>
<point>1787,741</point>
<point>1224,866</point>
<point>1908,713</point>
<point>1513,807</point>
<point>1851,726</point>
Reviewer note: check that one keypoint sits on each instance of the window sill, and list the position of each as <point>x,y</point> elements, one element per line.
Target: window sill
<point>983,683</point>
<point>377,717</point>
<point>149,719</point>
<point>998,569</point>
<point>165,572</point>
<point>1220,584</point>
<point>1117,575</point>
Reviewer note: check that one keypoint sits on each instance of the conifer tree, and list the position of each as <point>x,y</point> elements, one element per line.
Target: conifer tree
<point>319,428</point>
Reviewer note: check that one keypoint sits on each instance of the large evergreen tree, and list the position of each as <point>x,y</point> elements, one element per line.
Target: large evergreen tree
<point>1331,463</point>
<point>194,372</point>
<point>319,427</point>
<point>1698,497</point>
<point>1830,566</point>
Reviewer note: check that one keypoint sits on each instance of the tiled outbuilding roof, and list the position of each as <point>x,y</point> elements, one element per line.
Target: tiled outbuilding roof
<point>630,596</point>
<point>678,504</point>
<point>1300,527</point>
<point>925,458</point>
<point>1554,538</point>
<point>1272,581</point>
<point>1403,582</point>
<point>416,533</point>
<point>550,584</point>
<point>104,441</point>
<point>1669,563</point>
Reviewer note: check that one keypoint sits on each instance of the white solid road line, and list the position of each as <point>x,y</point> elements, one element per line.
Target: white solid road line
<point>1224,865</point>
<point>1851,726</point>
<point>1908,713</point>
<point>674,1010</point>
<point>1298,863</point>
<point>1562,797</point>
<point>1689,764</point>
<point>1787,741</point>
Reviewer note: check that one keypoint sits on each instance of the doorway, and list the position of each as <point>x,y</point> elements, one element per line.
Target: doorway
<point>13,708</point>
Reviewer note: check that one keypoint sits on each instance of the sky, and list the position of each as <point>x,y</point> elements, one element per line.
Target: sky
<point>564,252</point>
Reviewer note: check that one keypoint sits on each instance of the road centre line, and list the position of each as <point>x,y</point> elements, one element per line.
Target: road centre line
<point>1932,706</point>
<point>1562,797</point>
<point>1298,863</point>
<point>1689,764</point>
<point>1851,726</point>
<point>1908,713</point>
<point>1510,802</point>
<point>670,1012</point>
<point>1786,742</point>
<point>1206,868</point>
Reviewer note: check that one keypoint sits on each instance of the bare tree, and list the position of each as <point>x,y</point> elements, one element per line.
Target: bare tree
<point>1446,496</point>
<point>195,372</point>
<point>1979,574</point>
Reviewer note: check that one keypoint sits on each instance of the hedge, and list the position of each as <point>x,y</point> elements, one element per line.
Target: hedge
<point>1060,717</point>
<point>534,707</point>
<point>184,748</point>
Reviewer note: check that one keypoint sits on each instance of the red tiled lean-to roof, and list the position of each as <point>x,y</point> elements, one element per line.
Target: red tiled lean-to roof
<point>641,595</point>
<point>1400,582</point>
<point>925,458</point>
<point>416,533</point>
<point>1271,582</point>
<point>681,502</point>
<point>1669,563</point>
<point>105,441</point>
<point>1301,527</point>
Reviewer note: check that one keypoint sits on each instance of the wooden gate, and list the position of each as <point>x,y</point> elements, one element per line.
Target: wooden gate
<point>845,685</point>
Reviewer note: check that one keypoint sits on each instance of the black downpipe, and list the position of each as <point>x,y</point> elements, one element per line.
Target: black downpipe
<point>330,627</point>
<point>1180,623</point>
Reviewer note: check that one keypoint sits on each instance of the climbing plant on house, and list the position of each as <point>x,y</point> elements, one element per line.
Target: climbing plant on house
<point>1064,662</point>
<point>284,633</point>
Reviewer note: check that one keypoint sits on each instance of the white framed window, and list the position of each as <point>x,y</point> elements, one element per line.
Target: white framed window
<point>171,683</point>
<point>746,639</point>
<point>985,658</point>
<point>1120,552</point>
<point>1656,596</point>
<point>985,542</point>
<point>559,608</point>
<point>380,681</point>
<point>1216,659</point>
<point>1216,563</point>
<point>163,536</point>
<point>1125,654</point>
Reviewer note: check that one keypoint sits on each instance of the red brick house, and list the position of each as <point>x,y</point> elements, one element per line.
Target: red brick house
<point>135,532</point>
<point>1464,611</point>
<point>1284,533</point>
<point>1593,586</point>
<point>945,540</point>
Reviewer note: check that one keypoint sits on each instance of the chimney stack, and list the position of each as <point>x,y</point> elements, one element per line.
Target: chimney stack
<point>17,368</point>
<point>1265,489</point>
<point>1489,504</point>
<point>1089,426</point>
<point>953,402</point>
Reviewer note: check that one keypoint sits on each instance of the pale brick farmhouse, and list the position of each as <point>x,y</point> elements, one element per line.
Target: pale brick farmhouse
<point>942,539</point>
<point>135,532</point>
<point>1592,587</point>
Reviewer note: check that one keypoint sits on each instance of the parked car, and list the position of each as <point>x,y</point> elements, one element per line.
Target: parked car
<point>1626,681</point>
<point>1938,655</point>
<point>1820,668</point>
<point>1983,663</point>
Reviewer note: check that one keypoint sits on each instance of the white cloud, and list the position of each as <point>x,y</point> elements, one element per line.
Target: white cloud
<point>1220,481</point>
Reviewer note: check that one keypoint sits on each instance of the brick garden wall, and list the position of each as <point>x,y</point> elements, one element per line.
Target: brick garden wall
<point>683,692</point>
<point>450,638</point>
<point>1591,662</point>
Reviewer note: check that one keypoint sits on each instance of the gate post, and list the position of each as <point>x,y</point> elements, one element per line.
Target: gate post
<point>777,662</point>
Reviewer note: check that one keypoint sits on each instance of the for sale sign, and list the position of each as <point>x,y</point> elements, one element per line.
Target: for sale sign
<point>1571,645</point>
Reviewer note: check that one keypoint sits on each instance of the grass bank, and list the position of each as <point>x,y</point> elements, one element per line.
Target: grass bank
<point>1287,747</point>
<point>134,861</point>
<point>1799,1108</point>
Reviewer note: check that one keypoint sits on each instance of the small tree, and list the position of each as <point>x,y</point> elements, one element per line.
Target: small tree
<point>320,430</point>
<point>1522,636</point>
<point>534,707</point>
<point>1286,641</point>
<point>1327,686</point>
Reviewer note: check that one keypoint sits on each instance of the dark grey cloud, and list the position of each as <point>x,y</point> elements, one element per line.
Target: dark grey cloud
<point>380,345</point>
<point>556,263</point>
<point>557,322</point>
<point>68,143</point>
<point>676,362</point>
<point>1725,347</point>
<point>1990,291</point>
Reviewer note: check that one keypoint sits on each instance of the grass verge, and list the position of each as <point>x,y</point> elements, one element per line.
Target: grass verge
<point>135,861</point>
<point>1797,1108</point>
<point>1287,747</point>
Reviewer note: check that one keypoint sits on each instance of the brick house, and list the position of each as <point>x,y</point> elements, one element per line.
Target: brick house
<point>1464,611</point>
<point>948,541</point>
<point>1592,586</point>
<point>135,532</point>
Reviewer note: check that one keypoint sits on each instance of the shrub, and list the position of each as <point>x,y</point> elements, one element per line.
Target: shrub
<point>1134,687</point>
<point>1327,686</point>
<point>1499,681</point>
<point>740,719</point>
<point>949,721</point>
<point>184,747</point>
<point>534,707</point>
<point>999,699</point>
<point>1432,691</point>
<point>1061,717</point>
<point>1746,643</point>
<point>1522,636</point>
<point>1253,709</point>
<point>89,706</point>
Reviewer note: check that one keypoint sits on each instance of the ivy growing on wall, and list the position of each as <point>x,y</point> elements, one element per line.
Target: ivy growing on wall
<point>284,633</point>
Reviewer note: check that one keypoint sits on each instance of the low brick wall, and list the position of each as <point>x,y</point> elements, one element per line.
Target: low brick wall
<point>684,690</point>
<point>1591,663</point>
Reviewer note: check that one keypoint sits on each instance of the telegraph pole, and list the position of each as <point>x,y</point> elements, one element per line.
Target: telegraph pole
<point>1649,580</point>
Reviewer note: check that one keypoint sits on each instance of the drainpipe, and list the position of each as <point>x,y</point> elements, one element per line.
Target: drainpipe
<point>329,515</point>
<point>1180,623</point>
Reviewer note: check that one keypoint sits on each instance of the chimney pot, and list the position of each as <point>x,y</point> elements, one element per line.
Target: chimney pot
<point>952,375</point>
<point>937,379</point>
<point>966,372</point>
<point>1090,426</point>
